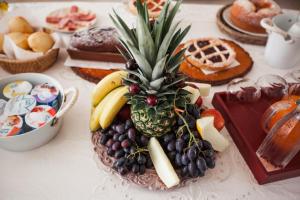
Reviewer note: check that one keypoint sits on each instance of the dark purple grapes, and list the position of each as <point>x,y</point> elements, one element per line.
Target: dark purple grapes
<point>135,168</point>
<point>149,163</point>
<point>178,160</point>
<point>179,145</point>
<point>186,137</point>
<point>110,152</point>
<point>192,169</point>
<point>120,128</point>
<point>201,164</point>
<point>125,144</point>
<point>120,153</point>
<point>128,124</point>
<point>142,169</point>
<point>111,133</point>
<point>131,133</point>
<point>171,146</point>
<point>122,170</point>
<point>192,154</point>
<point>116,137</point>
<point>209,153</point>
<point>110,142</point>
<point>113,127</point>
<point>141,159</point>
<point>122,141</point>
<point>104,138</point>
<point>184,159</point>
<point>168,137</point>
<point>210,162</point>
<point>132,149</point>
<point>122,137</point>
<point>144,140</point>
<point>120,162</point>
<point>206,145</point>
<point>116,146</point>
<point>172,155</point>
<point>184,171</point>
<point>180,122</point>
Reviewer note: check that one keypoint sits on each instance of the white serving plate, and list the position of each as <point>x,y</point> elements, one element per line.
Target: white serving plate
<point>226,17</point>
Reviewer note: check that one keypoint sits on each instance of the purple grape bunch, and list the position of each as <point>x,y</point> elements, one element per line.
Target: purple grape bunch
<point>188,153</point>
<point>127,146</point>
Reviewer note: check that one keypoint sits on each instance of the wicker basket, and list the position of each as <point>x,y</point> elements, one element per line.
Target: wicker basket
<point>39,64</point>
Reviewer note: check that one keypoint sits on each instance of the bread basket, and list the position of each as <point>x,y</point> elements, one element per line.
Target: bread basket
<point>39,64</point>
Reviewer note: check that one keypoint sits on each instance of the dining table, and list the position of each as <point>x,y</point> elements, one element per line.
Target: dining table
<point>68,168</point>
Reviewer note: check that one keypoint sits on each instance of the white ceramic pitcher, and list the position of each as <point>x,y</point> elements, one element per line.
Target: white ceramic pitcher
<point>283,48</point>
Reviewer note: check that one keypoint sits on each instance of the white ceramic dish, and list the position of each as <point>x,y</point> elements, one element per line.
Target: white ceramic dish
<point>44,134</point>
<point>85,24</point>
<point>226,17</point>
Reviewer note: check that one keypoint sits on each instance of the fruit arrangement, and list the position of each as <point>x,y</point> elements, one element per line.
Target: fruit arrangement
<point>147,121</point>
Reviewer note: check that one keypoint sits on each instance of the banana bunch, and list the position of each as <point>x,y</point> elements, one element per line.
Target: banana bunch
<point>108,97</point>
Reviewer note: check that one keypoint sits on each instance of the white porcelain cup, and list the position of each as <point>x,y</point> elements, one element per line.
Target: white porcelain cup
<point>282,49</point>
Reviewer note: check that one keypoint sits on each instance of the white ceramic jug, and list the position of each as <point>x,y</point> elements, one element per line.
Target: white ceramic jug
<point>283,45</point>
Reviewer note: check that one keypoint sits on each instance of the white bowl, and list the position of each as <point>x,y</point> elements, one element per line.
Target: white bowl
<point>44,134</point>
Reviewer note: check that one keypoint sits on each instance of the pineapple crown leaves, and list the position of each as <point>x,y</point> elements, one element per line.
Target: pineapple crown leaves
<point>152,44</point>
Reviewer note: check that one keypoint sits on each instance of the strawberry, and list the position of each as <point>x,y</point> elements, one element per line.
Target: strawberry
<point>199,102</point>
<point>124,113</point>
<point>219,121</point>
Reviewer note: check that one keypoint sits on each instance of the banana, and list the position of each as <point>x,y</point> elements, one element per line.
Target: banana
<point>112,107</point>
<point>97,111</point>
<point>106,85</point>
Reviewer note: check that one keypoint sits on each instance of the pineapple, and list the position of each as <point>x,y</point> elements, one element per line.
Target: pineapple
<point>153,80</point>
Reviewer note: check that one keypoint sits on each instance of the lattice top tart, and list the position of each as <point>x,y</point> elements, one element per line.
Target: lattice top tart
<point>209,53</point>
<point>154,7</point>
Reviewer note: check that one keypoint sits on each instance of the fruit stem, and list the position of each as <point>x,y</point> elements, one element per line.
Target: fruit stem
<point>192,137</point>
<point>177,110</point>
<point>138,151</point>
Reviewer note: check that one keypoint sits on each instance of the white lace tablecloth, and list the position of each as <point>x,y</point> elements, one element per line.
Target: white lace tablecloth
<point>66,168</point>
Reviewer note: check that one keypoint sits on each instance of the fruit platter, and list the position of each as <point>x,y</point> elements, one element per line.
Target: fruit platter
<point>148,124</point>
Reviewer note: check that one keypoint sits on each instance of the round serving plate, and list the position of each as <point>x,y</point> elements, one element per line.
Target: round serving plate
<point>85,25</point>
<point>226,17</point>
<point>149,179</point>
<point>225,25</point>
<point>222,77</point>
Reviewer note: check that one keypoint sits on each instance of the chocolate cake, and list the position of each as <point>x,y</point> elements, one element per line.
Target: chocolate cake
<point>97,44</point>
<point>96,39</point>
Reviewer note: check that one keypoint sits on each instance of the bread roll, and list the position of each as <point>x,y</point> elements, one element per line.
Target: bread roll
<point>20,39</point>
<point>40,42</point>
<point>1,42</point>
<point>19,24</point>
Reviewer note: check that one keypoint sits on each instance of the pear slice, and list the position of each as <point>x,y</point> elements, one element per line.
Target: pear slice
<point>205,127</point>
<point>162,164</point>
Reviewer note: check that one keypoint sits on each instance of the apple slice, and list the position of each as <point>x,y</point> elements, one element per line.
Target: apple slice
<point>207,130</point>
<point>204,88</point>
<point>195,93</point>
<point>162,164</point>
<point>219,121</point>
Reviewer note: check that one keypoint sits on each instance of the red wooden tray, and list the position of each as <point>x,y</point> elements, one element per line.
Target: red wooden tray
<point>243,124</point>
